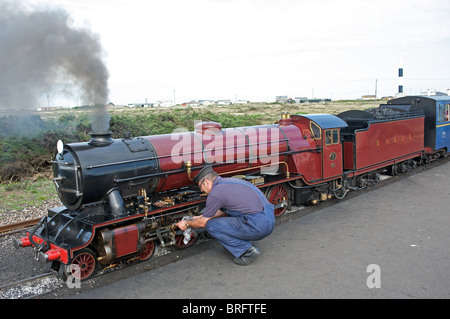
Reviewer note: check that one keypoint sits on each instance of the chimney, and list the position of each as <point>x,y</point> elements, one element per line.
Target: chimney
<point>101,138</point>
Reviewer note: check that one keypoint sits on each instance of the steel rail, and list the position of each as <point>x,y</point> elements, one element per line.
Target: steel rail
<point>4,229</point>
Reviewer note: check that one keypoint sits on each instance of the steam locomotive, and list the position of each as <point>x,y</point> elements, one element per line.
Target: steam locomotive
<point>122,197</point>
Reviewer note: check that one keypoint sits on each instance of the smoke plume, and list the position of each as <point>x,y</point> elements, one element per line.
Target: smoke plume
<point>39,50</point>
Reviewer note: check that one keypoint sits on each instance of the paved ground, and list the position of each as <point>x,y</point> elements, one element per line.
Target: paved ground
<point>396,237</point>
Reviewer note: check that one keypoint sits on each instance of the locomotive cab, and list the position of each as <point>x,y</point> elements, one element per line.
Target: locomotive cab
<point>322,131</point>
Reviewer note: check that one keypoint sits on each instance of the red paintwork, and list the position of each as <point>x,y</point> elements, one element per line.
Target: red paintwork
<point>316,164</point>
<point>309,164</point>
<point>233,149</point>
<point>125,240</point>
<point>25,242</point>
<point>348,155</point>
<point>384,141</point>
<point>53,254</point>
<point>332,159</point>
<point>63,253</point>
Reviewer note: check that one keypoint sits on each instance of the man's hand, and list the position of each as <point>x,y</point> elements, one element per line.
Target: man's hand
<point>181,225</point>
<point>198,222</point>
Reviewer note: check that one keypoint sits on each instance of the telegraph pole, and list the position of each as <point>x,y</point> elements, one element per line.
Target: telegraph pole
<point>376,88</point>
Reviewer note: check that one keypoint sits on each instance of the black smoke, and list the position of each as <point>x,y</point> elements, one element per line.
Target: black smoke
<point>40,49</point>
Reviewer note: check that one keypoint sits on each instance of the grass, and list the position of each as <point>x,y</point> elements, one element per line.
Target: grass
<point>17,195</point>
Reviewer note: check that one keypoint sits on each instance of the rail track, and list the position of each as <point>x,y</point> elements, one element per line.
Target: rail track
<point>19,226</point>
<point>31,287</point>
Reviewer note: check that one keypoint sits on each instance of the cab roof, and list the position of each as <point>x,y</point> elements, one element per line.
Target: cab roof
<point>325,121</point>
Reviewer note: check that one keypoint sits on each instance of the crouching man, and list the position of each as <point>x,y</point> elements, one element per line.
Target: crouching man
<point>248,214</point>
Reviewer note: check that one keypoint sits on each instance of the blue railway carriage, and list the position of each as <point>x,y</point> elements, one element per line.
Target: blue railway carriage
<point>437,120</point>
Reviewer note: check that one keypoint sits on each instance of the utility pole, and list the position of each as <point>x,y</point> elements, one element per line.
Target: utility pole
<point>376,88</point>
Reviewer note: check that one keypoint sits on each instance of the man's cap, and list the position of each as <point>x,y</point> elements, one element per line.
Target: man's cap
<point>202,173</point>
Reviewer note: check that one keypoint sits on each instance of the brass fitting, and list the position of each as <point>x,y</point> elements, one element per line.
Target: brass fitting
<point>188,165</point>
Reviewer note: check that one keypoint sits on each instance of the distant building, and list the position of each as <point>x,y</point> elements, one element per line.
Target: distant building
<point>140,104</point>
<point>301,99</point>
<point>223,102</point>
<point>191,103</point>
<point>206,102</point>
<point>306,100</point>
<point>369,97</point>
<point>49,108</point>
<point>281,98</point>
<point>430,92</point>
<point>164,103</point>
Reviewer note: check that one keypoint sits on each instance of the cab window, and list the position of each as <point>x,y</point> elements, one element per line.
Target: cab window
<point>315,129</point>
<point>335,136</point>
<point>332,136</point>
<point>328,139</point>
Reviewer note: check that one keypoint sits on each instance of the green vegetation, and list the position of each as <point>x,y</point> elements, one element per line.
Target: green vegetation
<point>15,196</point>
<point>144,122</point>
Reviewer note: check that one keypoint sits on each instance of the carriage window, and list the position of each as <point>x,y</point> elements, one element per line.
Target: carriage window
<point>316,130</point>
<point>331,137</point>
<point>443,113</point>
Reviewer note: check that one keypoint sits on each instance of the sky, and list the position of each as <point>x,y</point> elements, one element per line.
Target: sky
<point>258,49</point>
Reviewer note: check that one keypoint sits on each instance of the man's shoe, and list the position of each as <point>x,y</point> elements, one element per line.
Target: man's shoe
<point>246,258</point>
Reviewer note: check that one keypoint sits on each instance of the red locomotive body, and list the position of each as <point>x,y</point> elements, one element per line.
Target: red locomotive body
<point>230,150</point>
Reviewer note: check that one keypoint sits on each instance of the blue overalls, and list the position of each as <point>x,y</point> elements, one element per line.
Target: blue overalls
<point>236,230</point>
